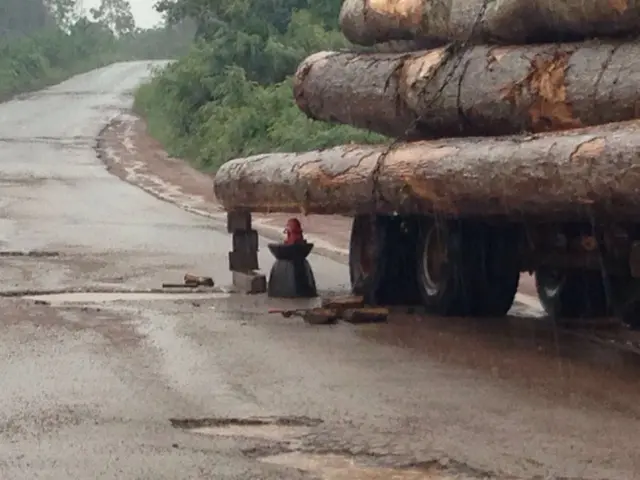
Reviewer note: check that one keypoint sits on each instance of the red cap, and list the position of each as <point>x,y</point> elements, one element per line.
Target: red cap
<point>293,226</point>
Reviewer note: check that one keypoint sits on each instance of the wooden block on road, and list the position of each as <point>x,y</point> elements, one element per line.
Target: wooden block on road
<point>343,303</point>
<point>320,316</point>
<point>249,282</point>
<point>238,221</point>
<point>365,315</point>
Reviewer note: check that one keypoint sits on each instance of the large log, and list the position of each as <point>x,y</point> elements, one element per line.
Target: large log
<point>591,173</point>
<point>366,22</point>
<point>481,90</point>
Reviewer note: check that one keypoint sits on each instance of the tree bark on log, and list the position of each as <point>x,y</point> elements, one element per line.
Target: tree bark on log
<point>366,22</point>
<point>591,173</point>
<point>395,46</point>
<point>481,90</point>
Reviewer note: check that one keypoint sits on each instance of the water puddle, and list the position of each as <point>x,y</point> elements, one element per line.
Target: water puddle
<point>336,467</point>
<point>276,429</point>
<point>262,432</point>
<point>109,297</point>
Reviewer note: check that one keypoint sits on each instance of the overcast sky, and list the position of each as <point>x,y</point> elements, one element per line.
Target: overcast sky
<point>142,10</point>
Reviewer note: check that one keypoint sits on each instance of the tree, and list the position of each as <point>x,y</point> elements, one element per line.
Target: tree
<point>115,14</point>
<point>65,12</point>
<point>231,95</point>
<point>260,17</point>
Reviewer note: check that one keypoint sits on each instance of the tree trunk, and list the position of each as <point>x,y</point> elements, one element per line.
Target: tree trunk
<point>366,22</point>
<point>591,173</point>
<point>481,90</point>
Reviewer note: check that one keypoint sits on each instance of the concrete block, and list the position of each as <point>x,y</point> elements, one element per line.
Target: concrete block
<point>238,221</point>
<point>249,282</point>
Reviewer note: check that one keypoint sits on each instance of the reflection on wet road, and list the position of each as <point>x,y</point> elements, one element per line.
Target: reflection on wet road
<point>532,353</point>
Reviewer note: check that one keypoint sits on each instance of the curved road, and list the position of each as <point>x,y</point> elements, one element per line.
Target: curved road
<point>89,386</point>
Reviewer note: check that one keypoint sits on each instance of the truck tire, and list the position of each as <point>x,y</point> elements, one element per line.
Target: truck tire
<point>499,275</point>
<point>626,300</point>
<point>467,269</point>
<point>630,315</point>
<point>381,259</point>
<point>572,294</point>
<point>367,264</point>
<point>400,252</point>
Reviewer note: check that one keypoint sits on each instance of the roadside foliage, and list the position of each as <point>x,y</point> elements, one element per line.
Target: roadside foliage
<point>231,95</point>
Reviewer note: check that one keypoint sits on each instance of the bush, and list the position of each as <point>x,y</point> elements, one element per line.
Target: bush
<point>230,96</point>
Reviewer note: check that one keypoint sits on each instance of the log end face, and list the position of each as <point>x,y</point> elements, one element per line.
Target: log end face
<point>403,13</point>
<point>352,23</point>
<point>317,60</point>
<point>225,174</point>
<point>367,22</point>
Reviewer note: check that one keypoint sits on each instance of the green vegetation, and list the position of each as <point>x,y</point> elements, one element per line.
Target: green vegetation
<point>230,96</point>
<point>44,41</point>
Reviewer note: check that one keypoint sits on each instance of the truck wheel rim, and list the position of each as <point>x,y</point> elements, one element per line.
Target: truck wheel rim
<point>434,261</point>
<point>552,283</point>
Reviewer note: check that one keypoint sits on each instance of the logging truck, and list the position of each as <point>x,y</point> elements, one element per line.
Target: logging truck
<point>451,223</point>
<point>517,150</point>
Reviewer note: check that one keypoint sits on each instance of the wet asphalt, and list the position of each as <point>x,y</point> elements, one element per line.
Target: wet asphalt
<point>90,388</point>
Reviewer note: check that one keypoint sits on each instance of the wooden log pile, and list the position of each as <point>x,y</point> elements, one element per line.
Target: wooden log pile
<point>481,90</point>
<point>515,108</point>
<point>583,171</point>
<point>367,22</point>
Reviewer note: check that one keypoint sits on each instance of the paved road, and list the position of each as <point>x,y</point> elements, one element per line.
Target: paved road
<point>89,389</point>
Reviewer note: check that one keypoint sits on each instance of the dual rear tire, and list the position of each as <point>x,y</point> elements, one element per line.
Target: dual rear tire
<point>573,293</point>
<point>464,268</point>
<point>451,268</point>
<point>380,250</point>
<point>579,294</point>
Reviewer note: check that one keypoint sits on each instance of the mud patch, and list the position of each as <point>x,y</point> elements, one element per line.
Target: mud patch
<point>279,429</point>
<point>337,467</point>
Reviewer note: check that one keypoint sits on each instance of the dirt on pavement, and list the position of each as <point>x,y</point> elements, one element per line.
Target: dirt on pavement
<point>133,155</point>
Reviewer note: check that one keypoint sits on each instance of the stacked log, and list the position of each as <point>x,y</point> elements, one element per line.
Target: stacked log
<point>485,121</point>
<point>480,90</point>
<point>366,22</point>
<point>592,172</point>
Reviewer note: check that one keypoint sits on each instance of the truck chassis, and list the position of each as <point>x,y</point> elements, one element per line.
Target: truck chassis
<point>472,267</point>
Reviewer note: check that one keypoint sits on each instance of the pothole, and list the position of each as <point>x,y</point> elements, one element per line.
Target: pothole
<point>275,429</point>
<point>109,297</point>
<point>337,467</point>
